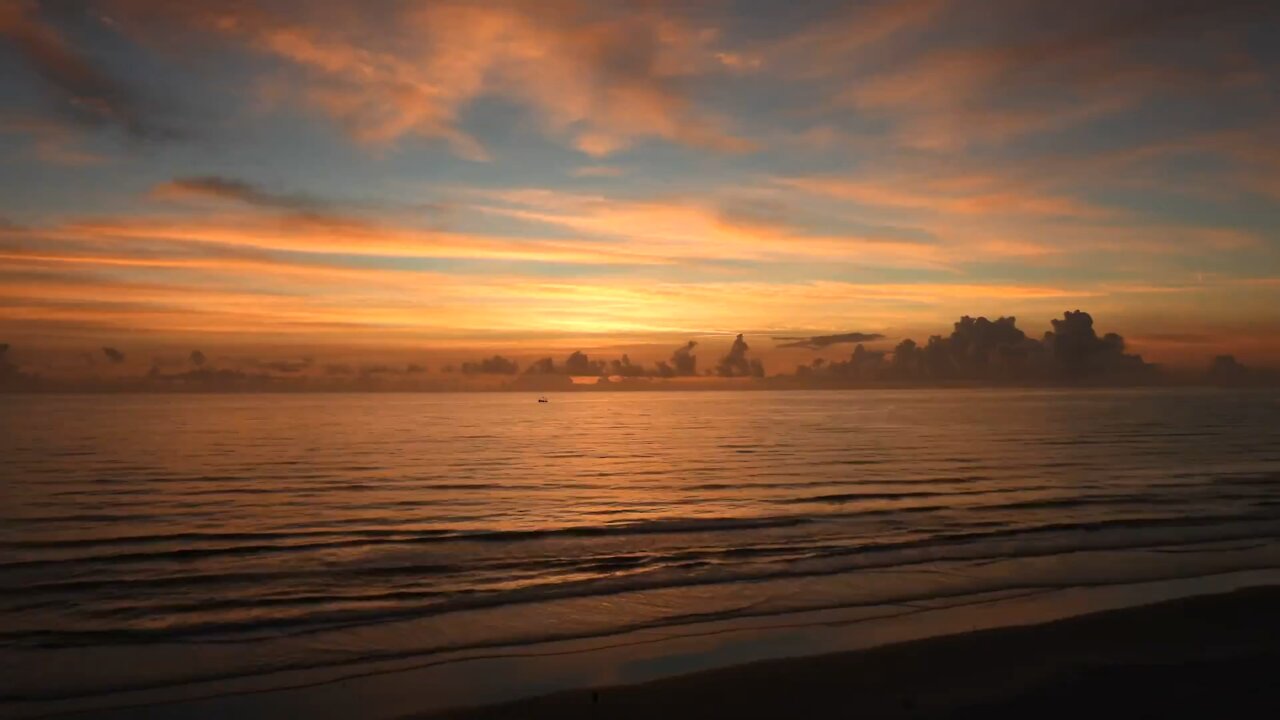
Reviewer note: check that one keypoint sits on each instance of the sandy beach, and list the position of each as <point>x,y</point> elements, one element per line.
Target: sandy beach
<point>1207,656</point>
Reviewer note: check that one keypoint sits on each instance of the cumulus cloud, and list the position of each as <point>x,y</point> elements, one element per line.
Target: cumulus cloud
<point>113,355</point>
<point>496,365</point>
<point>625,368</point>
<point>1226,370</point>
<point>579,364</point>
<point>979,349</point>
<point>818,342</point>
<point>863,364</point>
<point>1081,353</point>
<point>542,366</point>
<point>736,364</point>
<point>683,362</point>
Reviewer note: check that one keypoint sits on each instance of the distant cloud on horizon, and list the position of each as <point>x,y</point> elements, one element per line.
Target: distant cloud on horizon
<point>817,342</point>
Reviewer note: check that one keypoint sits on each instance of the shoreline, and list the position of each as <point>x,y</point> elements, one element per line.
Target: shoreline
<point>822,657</point>
<point>1193,656</point>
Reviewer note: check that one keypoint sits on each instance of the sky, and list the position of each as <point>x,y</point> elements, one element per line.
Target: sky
<point>437,182</point>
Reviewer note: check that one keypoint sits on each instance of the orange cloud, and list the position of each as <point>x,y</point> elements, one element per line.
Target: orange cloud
<point>695,230</point>
<point>261,296</point>
<point>334,235</point>
<point>602,77</point>
<point>1052,69</point>
<point>218,189</point>
<point>974,195</point>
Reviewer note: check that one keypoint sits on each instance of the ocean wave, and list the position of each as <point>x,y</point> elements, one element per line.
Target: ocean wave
<point>953,546</point>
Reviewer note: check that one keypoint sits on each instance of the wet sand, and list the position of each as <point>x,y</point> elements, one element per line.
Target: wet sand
<point>1207,656</point>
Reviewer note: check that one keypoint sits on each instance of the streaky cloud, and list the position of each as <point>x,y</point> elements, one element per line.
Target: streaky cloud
<point>817,342</point>
<point>213,187</point>
<point>82,91</point>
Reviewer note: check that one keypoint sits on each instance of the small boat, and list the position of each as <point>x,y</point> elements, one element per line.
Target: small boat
<point>543,399</point>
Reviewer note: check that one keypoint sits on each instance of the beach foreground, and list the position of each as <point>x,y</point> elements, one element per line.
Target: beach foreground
<point>1207,656</point>
<point>389,556</point>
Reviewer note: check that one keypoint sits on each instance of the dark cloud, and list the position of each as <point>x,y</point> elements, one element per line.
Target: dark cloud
<point>977,348</point>
<point>625,368</point>
<point>288,367</point>
<point>1079,28</point>
<point>338,369</point>
<point>115,356</point>
<point>863,364</point>
<point>7,369</point>
<point>818,342</point>
<point>197,358</point>
<point>12,377</point>
<point>1081,353</point>
<point>683,362</point>
<point>496,365</point>
<point>213,187</point>
<point>415,369</point>
<point>83,91</point>
<point>983,350</point>
<point>377,369</point>
<point>1226,370</point>
<point>543,366</point>
<point>579,364</point>
<point>736,363</point>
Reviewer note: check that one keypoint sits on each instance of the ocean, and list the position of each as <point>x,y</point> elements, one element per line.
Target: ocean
<point>160,547</point>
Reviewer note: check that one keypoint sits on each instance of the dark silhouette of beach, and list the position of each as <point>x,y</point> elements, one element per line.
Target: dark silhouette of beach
<point>1208,656</point>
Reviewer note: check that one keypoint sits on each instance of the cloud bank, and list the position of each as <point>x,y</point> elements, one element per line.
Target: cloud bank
<point>997,351</point>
